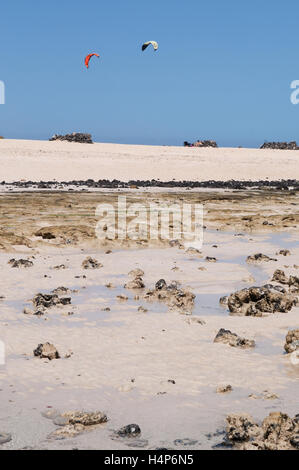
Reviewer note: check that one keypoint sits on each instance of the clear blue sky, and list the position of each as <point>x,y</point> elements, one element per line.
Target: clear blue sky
<point>223,70</point>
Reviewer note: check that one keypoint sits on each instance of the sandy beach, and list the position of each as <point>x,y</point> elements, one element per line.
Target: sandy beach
<point>149,362</point>
<point>64,161</point>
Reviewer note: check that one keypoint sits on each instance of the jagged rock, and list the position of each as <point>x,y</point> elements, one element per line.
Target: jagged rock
<point>280,145</point>
<point>91,263</point>
<point>293,283</point>
<point>175,297</point>
<point>227,337</point>
<point>224,389</point>
<point>74,137</point>
<point>277,432</point>
<point>284,253</point>
<point>241,427</point>
<point>137,281</point>
<point>46,351</point>
<point>61,291</point>
<point>223,300</point>
<point>85,418</point>
<point>201,143</point>
<point>280,276</point>
<point>50,300</point>
<point>292,341</point>
<point>211,259</point>
<point>161,284</point>
<point>258,258</point>
<point>131,430</point>
<point>256,301</point>
<point>20,263</point>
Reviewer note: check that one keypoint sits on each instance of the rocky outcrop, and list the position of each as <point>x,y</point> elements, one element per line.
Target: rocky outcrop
<point>232,339</point>
<point>292,281</point>
<point>74,137</point>
<point>136,281</point>
<point>46,351</point>
<point>50,300</point>
<point>257,301</point>
<point>201,143</point>
<point>292,341</point>
<point>277,432</point>
<point>259,258</point>
<point>73,423</point>
<point>280,145</point>
<point>20,263</point>
<point>91,263</point>
<point>173,296</point>
<point>131,430</point>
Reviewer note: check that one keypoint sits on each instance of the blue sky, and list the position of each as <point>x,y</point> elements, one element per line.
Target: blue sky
<point>223,70</point>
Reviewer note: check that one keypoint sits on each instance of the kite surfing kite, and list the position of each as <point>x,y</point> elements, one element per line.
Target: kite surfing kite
<point>153,43</point>
<point>88,57</point>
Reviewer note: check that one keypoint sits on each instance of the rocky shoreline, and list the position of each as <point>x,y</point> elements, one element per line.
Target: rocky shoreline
<point>154,183</point>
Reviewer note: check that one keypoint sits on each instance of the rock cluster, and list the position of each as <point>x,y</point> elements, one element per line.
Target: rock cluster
<point>201,143</point>
<point>20,263</point>
<point>277,432</point>
<point>131,430</point>
<point>73,423</point>
<point>173,296</point>
<point>256,301</point>
<point>281,185</point>
<point>46,351</point>
<point>50,300</point>
<point>259,257</point>
<point>227,337</point>
<point>136,281</point>
<point>292,341</point>
<point>280,145</point>
<point>91,263</point>
<point>291,281</point>
<point>74,137</point>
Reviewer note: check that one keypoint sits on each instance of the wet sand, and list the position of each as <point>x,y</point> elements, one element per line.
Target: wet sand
<point>157,368</point>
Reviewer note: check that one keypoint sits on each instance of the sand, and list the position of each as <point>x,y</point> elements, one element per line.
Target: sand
<point>157,368</point>
<point>63,161</point>
<point>124,361</point>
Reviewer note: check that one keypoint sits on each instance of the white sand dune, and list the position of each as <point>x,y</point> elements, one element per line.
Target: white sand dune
<point>64,161</point>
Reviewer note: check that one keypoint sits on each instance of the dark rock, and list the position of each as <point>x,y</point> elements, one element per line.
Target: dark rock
<point>227,337</point>
<point>131,430</point>
<point>20,263</point>
<point>161,284</point>
<point>50,300</point>
<point>258,300</point>
<point>292,341</point>
<point>91,263</point>
<point>46,351</point>
<point>74,137</point>
<point>259,257</point>
<point>280,145</point>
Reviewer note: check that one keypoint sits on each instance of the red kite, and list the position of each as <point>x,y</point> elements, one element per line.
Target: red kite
<point>88,57</point>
